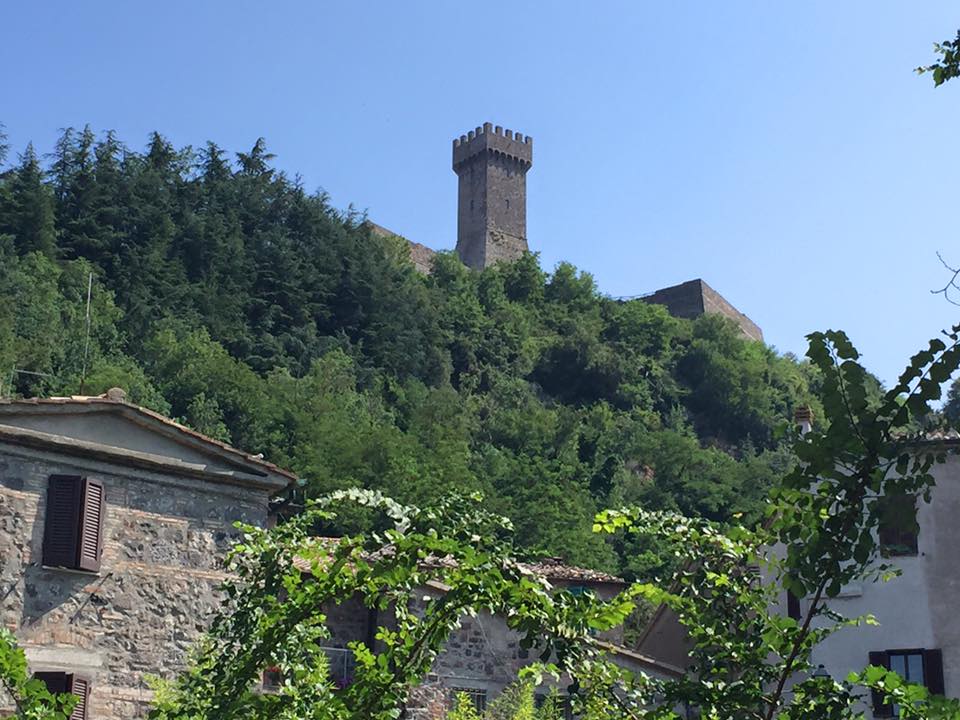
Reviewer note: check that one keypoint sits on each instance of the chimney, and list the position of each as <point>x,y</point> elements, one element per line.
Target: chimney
<point>803,416</point>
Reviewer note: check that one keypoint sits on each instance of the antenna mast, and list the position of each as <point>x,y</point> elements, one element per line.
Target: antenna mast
<point>86,342</point>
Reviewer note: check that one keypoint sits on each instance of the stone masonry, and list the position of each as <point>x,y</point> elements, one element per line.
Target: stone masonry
<point>165,534</point>
<point>695,298</point>
<point>491,164</point>
<point>483,655</point>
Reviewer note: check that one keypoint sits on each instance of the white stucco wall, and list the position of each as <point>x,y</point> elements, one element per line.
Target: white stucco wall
<point>918,609</point>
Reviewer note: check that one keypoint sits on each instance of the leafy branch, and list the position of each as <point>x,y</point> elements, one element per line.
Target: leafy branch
<point>948,66</point>
<point>951,283</point>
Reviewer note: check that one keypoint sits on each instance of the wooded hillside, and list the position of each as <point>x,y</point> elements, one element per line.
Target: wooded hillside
<point>228,296</point>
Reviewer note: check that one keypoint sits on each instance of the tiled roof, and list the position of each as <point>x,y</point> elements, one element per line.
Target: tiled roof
<point>941,435</point>
<point>548,568</point>
<point>116,398</point>
<point>555,569</point>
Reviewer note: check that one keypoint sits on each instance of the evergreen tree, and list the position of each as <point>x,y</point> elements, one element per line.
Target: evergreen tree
<point>30,215</point>
<point>231,298</point>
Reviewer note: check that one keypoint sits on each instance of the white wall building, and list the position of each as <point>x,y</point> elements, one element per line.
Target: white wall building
<point>919,624</point>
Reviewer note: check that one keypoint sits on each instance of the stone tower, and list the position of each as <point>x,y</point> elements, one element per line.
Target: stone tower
<point>492,165</point>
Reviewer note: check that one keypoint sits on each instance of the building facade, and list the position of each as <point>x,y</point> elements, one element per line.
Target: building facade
<point>483,655</point>
<point>113,525</point>
<point>918,634</point>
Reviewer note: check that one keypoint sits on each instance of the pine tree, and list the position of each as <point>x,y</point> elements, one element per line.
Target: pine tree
<point>31,216</point>
<point>4,148</point>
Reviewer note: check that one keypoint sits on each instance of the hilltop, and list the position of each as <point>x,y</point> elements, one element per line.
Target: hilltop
<point>228,296</point>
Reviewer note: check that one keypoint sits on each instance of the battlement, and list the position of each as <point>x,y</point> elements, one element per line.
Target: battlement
<point>493,140</point>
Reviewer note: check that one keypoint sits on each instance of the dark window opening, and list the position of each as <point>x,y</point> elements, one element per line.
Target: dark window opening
<point>272,680</point>
<point>476,696</point>
<point>898,528</point>
<point>793,606</point>
<point>60,682</point>
<point>73,530</point>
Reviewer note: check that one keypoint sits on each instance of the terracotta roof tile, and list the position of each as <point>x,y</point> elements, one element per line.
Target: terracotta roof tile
<point>555,569</point>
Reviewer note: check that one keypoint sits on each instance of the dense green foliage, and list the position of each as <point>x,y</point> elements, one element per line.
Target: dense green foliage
<point>432,566</point>
<point>820,535</point>
<point>227,296</point>
<point>436,564</point>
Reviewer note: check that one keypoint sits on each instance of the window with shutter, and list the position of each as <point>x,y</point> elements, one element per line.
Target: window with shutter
<point>61,682</point>
<point>62,521</point>
<point>79,686</point>
<point>923,667</point>
<point>73,534</point>
<point>90,546</point>
<point>881,708</point>
<point>898,527</point>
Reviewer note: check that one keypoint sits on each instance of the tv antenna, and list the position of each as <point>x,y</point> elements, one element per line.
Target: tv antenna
<point>86,340</point>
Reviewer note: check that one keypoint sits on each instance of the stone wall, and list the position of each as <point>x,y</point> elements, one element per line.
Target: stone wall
<point>157,588</point>
<point>694,298</point>
<point>491,165</point>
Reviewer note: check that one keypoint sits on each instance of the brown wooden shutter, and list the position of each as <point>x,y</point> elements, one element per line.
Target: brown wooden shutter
<point>880,707</point>
<point>90,546</point>
<point>933,671</point>
<point>79,686</point>
<point>62,521</point>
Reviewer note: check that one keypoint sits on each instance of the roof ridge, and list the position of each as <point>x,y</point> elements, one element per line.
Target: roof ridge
<point>116,398</point>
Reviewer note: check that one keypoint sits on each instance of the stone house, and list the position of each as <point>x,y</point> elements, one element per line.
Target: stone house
<point>483,656</point>
<point>113,525</point>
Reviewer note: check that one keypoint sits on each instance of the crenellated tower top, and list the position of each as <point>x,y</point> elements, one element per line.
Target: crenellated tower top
<point>492,164</point>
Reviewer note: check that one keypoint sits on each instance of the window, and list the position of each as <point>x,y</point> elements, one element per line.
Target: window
<point>73,534</point>
<point>898,528</point>
<point>342,665</point>
<point>793,606</point>
<point>272,680</point>
<point>478,696</point>
<point>59,682</point>
<point>924,667</point>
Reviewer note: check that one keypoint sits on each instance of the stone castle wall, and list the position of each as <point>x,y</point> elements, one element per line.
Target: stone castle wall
<point>164,539</point>
<point>694,298</point>
<point>491,165</point>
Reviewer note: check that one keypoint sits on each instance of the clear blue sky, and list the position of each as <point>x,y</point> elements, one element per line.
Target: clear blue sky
<point>785,152</point>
